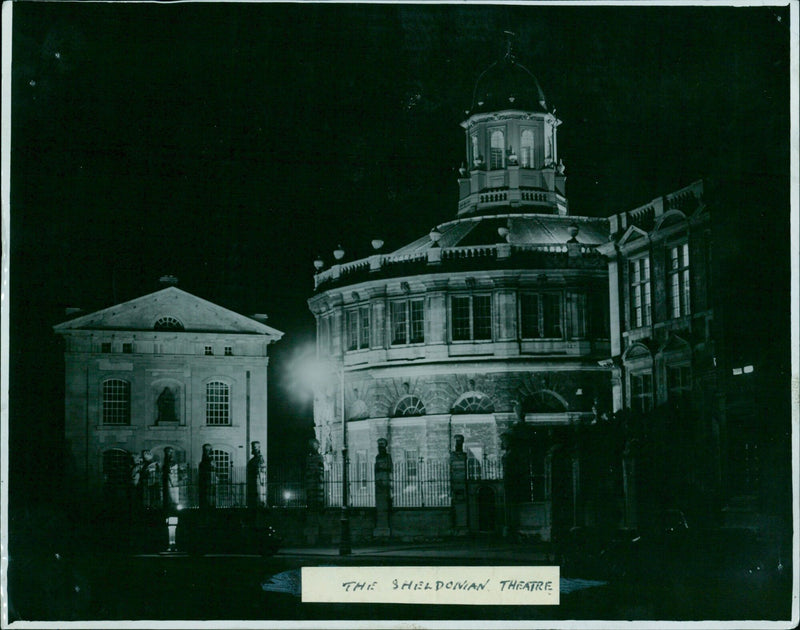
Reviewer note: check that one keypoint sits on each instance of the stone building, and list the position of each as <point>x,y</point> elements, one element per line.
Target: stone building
<point>496,317</point>
<point>666,350</point>
<point>167,369</point>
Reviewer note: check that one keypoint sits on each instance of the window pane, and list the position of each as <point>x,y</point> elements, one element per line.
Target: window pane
<point>417,321</point>
<point>364,329</point>
<point>399,323</point>
<point>352,330</point>
<point>551,306</point>
<point>217,403</point>
<point>461,326</point>
<point>686,293</point>
<point>529,316</point>
<point>116,402</point>
<point>475,151</point>
<point>498,150</point>
<point>526,148</point>
<point>482,316</point>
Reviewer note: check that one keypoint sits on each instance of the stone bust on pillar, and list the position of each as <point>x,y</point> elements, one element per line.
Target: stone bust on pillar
<point>208,479</point>
<point>256,477</point>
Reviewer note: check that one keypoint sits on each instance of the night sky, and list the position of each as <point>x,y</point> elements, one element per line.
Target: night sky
<point>229,144</point>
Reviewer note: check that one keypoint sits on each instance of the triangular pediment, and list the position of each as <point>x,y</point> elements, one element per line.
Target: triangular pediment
<point>633,234</point>
<point>674,343</point>
<point>673,217</point>
<point>637,350</point>
<point>187,312</point>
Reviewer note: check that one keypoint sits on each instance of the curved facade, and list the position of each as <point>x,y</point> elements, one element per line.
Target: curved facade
<point>497,315</point>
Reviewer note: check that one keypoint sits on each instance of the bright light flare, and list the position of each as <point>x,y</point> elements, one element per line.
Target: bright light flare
<point>306,374</point>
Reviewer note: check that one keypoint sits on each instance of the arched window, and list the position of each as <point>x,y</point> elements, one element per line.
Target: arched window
<point>498,144</point>
<point>168,323</point>
<point>116,468</point>
<point>217,403</point>
<point>526,148</point>
<point>473,402</point>
<point>409,405</point>
<point>544,402</point>
<point>475,151</point>
<point>116,401</point>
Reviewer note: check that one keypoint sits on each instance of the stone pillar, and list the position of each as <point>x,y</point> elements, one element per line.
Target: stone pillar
<point>314,491</point>
<point>458,487</point>
<point>383,490</point>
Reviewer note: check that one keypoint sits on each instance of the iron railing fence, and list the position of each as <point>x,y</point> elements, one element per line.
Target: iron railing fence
<point>414,483</point>
<point>417,483</point>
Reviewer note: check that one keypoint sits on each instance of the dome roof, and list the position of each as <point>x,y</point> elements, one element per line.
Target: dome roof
<point>523,229</point>
<point>507,84</point>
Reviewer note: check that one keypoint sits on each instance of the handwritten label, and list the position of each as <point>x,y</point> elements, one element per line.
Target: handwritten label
<point>432,585</point>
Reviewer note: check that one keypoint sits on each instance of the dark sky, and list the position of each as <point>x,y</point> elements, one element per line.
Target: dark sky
<point>229,144</point>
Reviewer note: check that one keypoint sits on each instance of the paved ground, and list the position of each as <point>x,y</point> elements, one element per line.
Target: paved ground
<point>457,551</point>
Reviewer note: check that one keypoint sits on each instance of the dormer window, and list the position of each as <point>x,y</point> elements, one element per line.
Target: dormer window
<point>168,323</point>
<point>498,149</point>
<point>526,149</point>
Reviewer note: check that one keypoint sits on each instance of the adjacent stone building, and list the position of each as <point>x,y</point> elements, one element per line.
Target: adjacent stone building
<point>166,370</point>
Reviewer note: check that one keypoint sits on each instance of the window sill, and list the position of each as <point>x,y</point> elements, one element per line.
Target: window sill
<point>166,427</point>
<point>115,427</point>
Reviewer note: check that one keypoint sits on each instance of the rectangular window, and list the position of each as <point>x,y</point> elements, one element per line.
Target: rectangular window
<point>639,282</point>
<point>217,403</point>
<point>642,392</point>
<point>679,384</point>
<point>529,316</point>
<point>105,347</point>
<point>399,323</point>
<point>678,280</point>
<point>540,316</point>
<point>352,330</point>
<point>417,321</point>
<point>209,351</point>
<point>127,348</point>
<point>461,325</point>
<point>364,327</point>
<point>408,322</point>
<point>358,328</point>
<point>228,351</point>
<point>116,402</point>
<point>551,315</point>
<point>482,316</point>
<point>471,317</point>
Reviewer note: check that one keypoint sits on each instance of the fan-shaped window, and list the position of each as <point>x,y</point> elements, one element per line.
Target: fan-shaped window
<point>116,401</point>
<point>473,402</point>
<point>544,402</point>
<point>116,468</point>
<point>409,406</point>
<point>526,148</point>
<point>168,323</point>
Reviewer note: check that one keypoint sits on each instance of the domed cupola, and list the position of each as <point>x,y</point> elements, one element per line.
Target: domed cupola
<point>512,159</point>
<point>507,84</point>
